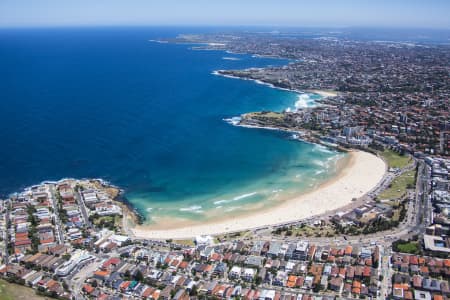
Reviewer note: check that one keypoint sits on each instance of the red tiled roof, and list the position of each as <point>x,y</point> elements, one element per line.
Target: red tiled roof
<point>147,292</point>
<point>124,285</point>
<point>102,297</point>
<point>88,288</point>
<point>22,243</point>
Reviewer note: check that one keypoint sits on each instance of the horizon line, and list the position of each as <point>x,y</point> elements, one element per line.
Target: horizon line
<point>55,26</point>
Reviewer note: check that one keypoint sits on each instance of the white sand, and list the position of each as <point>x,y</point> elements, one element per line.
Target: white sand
<point>362,173</point>
<point>324,93</point>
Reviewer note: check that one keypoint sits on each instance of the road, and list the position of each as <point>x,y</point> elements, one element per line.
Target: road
<point>5,237</point>
<point>58,225</point>
<point>83,209</point>
<point>385,271</point>
<point>422,192</point>
<point>418,216</point>
<point>419,211</point>
<point>77,281</point>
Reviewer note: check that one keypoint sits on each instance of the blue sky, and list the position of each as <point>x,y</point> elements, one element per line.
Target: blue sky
<point>323,13</point>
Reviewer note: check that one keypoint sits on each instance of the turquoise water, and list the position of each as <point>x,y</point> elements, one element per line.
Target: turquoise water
<point>148,117</point>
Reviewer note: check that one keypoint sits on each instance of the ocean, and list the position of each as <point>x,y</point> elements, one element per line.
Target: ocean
<point>148,117</point>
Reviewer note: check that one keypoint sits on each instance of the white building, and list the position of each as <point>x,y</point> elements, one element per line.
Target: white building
<point>78,259</point>
<point>235,272</point>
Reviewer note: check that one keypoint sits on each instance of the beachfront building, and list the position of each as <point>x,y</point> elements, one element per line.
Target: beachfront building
<point>301,250</point>
<point>77,260</point>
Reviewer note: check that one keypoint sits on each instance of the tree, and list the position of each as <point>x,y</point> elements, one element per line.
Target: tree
<point>258,281</point>
<point>126,275</point>
<point>139,276</point>
<point>193,291</point>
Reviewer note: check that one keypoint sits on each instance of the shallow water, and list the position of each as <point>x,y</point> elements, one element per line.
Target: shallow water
<point>147,117</point>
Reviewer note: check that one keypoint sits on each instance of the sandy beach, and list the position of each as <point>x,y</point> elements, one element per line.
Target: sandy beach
<point>323,93</point>
<point>361,173</point>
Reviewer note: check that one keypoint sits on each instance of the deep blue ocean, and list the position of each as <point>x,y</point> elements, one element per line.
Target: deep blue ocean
<point>148,117</point>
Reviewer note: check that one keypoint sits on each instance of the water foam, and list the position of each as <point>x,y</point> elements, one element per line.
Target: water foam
<point>230,58</point>
<point>229,209</point>
<point>324,149</point>
<point>237,198</point>
<point>304,101</point>
<point>319,163</point>
<point>193,208</point>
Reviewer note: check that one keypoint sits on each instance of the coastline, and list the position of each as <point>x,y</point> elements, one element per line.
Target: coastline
<point>321,93</point>
<point>360,175</point>
<point>324,93</point>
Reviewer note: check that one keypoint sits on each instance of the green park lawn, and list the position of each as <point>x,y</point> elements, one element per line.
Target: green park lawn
<point>398,186</point>
<point>395,160</point>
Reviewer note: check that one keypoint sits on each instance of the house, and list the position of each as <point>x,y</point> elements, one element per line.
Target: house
<point>417,281</point>
<point>248,274</point>
<point>422,295</point>
<point>350,273</point>
<point>220,269</point>
<point>291,282</point>
<point>309,280</point>
<point>166,293</point>
<point>274,249</point>
<point>432,285</point>
<point>280,279</point>
<point>254,261</point>
<point>324,282</point>
<point>235,272</point>
<point>301,251</point>
<point>88,289</point>
<point>257,248</point>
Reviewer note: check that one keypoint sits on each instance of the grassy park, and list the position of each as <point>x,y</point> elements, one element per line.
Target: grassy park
<point>399,186</point>
<point>11,291</point>
<point>395,160</point>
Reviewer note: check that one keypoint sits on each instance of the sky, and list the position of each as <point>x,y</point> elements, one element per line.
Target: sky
<point>315,13</point>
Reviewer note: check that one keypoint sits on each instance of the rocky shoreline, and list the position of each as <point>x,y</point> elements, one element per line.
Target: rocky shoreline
<point>275,121</point>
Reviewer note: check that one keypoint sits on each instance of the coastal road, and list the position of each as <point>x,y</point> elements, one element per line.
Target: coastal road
<point>422,193</point>
<point>5,237</point>
<point>417,205</point>
<point>58,225</point>
<point>83,209</point>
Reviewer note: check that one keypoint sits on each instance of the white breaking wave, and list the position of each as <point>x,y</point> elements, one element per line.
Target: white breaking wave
<point>193,208</point>
<point>304,101</point>
<point>237,198</point>
<point>149,209</point>
<point>233,121</point>
<point>319,163</point>
<point>324,149</point>
<point>244,196</point>
<point>229,209</point>
<point>230,58</point>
